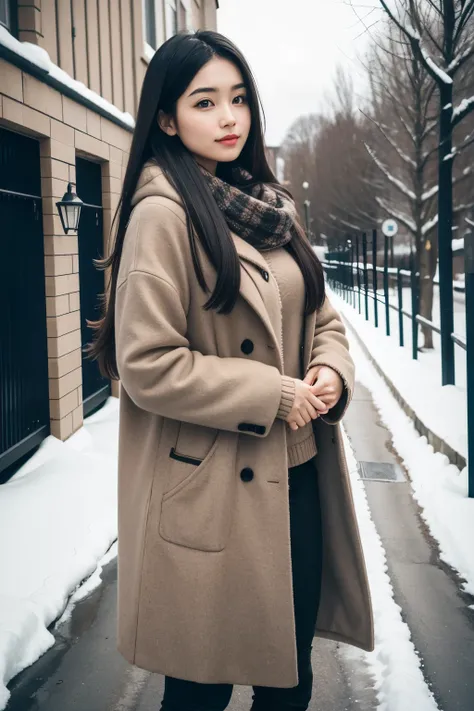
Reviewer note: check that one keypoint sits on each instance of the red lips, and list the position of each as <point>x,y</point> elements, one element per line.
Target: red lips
<point>230,137</point>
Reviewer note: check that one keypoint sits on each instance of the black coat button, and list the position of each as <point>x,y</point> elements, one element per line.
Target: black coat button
<point>247,346</point>
<point>246,474</point>
<point>265,275</point>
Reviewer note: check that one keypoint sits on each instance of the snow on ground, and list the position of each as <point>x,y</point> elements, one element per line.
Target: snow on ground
<point>60,514</point>
<point>438,486</point>
<point>394,664</point>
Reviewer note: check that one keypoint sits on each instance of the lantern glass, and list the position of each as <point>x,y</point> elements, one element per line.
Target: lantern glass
<point>72,216</point>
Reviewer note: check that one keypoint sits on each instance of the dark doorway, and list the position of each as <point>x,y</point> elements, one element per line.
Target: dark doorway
<point>95,388</point>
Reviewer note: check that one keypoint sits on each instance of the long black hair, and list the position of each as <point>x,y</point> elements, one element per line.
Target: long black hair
<point>171,70</point>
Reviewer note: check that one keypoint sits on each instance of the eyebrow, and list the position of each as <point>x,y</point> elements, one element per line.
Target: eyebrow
<point>210,89</point>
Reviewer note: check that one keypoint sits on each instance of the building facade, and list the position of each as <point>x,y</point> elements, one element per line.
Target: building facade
<point>70,79</point>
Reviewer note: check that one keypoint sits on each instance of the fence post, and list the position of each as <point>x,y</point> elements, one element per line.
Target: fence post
<point>469,294</point>
<point>352,275</point>
<point>385,285</point>
<point>400,305</point>
<point>414,306</point>
<point>358,270</point>
<point>375,276</point>
<point>366,275</point>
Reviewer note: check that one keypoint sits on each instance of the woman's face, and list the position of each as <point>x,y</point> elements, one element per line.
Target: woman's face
<point>213,106</point>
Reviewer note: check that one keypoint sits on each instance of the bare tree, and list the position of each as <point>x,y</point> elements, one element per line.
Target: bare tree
<point>327,150</point>
<point>439,33</point>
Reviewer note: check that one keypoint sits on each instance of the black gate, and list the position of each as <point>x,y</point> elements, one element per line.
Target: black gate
<point>95,388</point>
<point>24,397</point>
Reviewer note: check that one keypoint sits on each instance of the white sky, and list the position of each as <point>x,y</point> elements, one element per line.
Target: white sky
<point>293,48</point>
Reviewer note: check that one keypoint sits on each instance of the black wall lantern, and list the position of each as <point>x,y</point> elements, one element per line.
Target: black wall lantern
<point>69,209</point>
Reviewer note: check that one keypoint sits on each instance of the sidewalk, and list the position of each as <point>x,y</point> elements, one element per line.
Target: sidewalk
<point>418,604</point>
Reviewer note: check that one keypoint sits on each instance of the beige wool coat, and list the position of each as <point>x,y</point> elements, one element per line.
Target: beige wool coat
<point>204,565</point>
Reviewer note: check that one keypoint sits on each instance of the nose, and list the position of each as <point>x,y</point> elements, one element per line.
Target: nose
<point>227,118</point>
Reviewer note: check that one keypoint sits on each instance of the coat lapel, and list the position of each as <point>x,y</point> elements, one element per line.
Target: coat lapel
<point>250,291</point>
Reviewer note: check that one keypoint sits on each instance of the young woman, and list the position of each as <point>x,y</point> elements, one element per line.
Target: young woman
<point>238,541</point>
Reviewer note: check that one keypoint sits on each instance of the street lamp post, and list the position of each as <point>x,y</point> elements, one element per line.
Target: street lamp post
<point>306,205</point>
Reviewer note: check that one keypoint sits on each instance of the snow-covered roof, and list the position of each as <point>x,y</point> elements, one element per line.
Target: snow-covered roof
<point>36,60</point>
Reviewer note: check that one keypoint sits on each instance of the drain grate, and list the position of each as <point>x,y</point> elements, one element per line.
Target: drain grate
<point>381,471</point>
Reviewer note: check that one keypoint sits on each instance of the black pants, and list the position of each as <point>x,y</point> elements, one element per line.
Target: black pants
<point>306,554</point>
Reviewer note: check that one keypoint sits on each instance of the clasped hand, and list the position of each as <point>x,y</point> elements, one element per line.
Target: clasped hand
<point>315,395</point>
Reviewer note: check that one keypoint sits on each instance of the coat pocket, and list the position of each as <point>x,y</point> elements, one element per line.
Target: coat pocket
<point>197,511</point>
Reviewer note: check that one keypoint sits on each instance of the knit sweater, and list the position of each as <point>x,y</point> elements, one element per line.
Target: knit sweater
<point>301,446</point>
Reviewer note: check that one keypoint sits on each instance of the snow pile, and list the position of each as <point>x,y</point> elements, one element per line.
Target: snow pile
<point>60,513</point>
<point>394,663</point>
<point>39,57</point>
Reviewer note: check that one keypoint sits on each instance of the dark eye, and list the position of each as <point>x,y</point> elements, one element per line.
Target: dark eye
<point>243,97</point>
<point>204,101</point>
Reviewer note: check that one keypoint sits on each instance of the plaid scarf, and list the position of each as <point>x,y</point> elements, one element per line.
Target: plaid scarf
<point>259,213</point>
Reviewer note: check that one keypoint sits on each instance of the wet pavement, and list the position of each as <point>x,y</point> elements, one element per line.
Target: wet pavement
<point>84,672</point>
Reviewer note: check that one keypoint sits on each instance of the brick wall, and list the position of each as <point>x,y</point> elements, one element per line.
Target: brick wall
<point>65,129</point>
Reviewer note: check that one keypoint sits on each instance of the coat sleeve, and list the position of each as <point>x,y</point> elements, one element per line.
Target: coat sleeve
<point>331,348</point>
<point>161,372</point>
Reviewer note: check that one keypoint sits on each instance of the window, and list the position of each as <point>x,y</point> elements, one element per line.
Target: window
<point>149,22</point>
<point>171,18</point>
<point>5,14</point>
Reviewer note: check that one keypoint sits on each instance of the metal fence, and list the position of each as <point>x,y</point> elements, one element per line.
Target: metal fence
<point>24,397</point>
<point>366,285</point>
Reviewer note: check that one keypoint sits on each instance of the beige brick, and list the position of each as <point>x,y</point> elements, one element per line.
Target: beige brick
<point>93,124</point>
<point>52,225</point>
<point>74,301</point>
<point>65,244</point>
<point>57,266</point>
<point>79,395</point>
<point>11,80</point>
<point>55,149</point>
<point>74,114</point>
<point>116,155</point>
<point>75,263</point>
<point>61,132</point>
<point>91,146</point>
<point>60,325</point>
<point>54,169</point>
<point>78,418</point>
<point>53,187</point>
<point>64,406</point>
<point>57,305</point>
<point>57,367</point>
<point>72,174</point>
<point>112,170</point>
<point>59,387</point>
<point>49,205</point>
<point>42,97</point>
<point>114,185</point>
<point>62,429</point>
<point>115,135</point>
<point>110,201</point>
<point>12,111</point>
<point>57,285</point>
<point>62,345</point>
<point>125,157</point>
